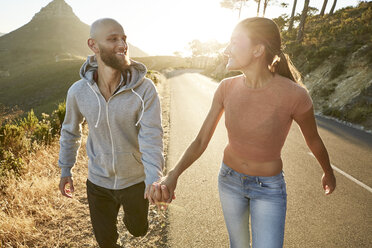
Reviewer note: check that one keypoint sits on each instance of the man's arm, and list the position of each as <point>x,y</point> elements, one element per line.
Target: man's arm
<point>70,141</point>
<point>150,137</point>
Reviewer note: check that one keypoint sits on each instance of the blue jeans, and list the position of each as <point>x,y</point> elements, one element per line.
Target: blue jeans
<point>263,199</point>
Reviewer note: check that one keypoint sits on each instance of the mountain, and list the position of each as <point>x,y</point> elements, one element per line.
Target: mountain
<point>55,30</point>
<point>1,34</point>
<point>40,60</point>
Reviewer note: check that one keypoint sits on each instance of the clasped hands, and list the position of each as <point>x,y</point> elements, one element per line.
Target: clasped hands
<point>162,192</point>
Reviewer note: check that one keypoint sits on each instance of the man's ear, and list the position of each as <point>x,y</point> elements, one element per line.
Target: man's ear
<point>93,45</point>
<point>259,50</point>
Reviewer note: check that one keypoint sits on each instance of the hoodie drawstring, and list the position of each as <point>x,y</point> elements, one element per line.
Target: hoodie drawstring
<point>143,106</point>
<point>99,104</point>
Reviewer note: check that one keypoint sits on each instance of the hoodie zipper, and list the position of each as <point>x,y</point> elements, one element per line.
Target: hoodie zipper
<point>112,139</point>
<point>112,142</point>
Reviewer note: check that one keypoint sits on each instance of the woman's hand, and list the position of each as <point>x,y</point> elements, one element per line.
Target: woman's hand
<point>169,183</point>
<point>329,183</point>
<point>162,192</point>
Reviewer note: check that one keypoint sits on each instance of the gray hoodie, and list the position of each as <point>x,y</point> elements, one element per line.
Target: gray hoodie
<point>124,144</point>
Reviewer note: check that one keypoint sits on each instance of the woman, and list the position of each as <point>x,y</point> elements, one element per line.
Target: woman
<point>259,107</point>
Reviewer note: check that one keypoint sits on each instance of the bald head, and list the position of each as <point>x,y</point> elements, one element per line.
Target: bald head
<point>97,27</point>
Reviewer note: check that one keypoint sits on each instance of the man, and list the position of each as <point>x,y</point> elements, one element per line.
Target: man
<point>124,146</point>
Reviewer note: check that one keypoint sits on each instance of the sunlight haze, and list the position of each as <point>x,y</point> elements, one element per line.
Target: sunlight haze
<point>159,27</point>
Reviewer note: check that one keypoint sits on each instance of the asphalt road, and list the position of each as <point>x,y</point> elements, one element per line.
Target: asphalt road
<point>343,219</point>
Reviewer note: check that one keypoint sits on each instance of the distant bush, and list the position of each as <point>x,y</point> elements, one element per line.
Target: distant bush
<point>337,70</point>
<point>10,164</point>
<point>355,113</point>
<point>359,113</point>
<point>324,52</point>
<point>154,76</point>
<point>43,131</point>
<point>13,138</point>
<point>58,116</point>
<point>332,112</point>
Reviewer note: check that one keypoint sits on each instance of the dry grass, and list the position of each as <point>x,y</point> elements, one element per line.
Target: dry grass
<point>34,213</point>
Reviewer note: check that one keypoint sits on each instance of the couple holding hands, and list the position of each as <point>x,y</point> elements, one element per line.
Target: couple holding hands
<point>124,146</point>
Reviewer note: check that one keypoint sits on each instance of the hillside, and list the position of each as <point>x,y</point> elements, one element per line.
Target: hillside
<point>335,59</point>
<point>1,34</point>
<point>40,87</point>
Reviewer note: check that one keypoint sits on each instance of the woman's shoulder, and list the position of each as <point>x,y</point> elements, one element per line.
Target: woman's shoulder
<point>289,85</point>
<point>230,80</point>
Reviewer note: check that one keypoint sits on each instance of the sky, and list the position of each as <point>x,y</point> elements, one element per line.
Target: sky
<point>158,27</point>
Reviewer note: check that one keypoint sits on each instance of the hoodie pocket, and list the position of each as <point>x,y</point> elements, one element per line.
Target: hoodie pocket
<point>128,165</point>
<point>102,165</point>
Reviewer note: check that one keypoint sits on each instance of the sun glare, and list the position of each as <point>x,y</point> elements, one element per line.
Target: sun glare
<point>165,26</point>
<point>163,30</point>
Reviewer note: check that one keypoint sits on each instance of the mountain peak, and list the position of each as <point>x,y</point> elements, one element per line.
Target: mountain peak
<point>55,9</point>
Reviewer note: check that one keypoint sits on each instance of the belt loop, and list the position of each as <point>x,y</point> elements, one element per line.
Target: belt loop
<point>258,181</point>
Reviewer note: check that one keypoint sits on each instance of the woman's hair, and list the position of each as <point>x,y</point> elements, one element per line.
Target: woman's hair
<point>265,31</point>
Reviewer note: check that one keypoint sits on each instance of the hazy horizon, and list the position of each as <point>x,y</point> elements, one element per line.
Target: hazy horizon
<point>161,27</point>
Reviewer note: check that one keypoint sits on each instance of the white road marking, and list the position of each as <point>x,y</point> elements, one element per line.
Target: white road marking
<point>348,176</point>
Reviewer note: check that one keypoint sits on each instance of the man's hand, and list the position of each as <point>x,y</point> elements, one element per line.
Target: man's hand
<point>164,190</point>
<point>62,186</point>
<point>157,194</point>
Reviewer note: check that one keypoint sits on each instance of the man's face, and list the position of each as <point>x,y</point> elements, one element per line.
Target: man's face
<point>113,47</point>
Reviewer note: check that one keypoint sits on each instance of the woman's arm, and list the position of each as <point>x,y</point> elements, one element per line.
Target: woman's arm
<point>307,123</point>
<point>194,150</point>
<point>200,143</point>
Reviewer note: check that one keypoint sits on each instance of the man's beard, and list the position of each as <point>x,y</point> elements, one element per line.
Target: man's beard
<point>110,59</point>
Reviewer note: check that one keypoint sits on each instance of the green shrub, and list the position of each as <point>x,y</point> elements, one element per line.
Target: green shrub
<point>324,52</point>
<point>334,112</point>
<point>337,70</point>
<point>29,123</point>
<point>10,164</point>
<point>57,118</point>
<point>13,138</point>
<point>43,132</point>
<point>359,113</point>
<point>342,51</point>
<point>154,76</point>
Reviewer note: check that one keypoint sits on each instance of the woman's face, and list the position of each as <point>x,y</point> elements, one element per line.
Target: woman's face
<point>240,51</point>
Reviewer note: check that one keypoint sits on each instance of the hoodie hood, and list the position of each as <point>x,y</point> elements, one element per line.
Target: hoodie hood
<point>138,72</point>
<point>137,76</point>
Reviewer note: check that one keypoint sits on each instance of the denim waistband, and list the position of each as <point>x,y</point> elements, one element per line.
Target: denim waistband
<point>232,172</point>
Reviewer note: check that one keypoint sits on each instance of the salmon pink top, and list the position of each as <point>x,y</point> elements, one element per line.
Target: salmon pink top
<point>258,120</point>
